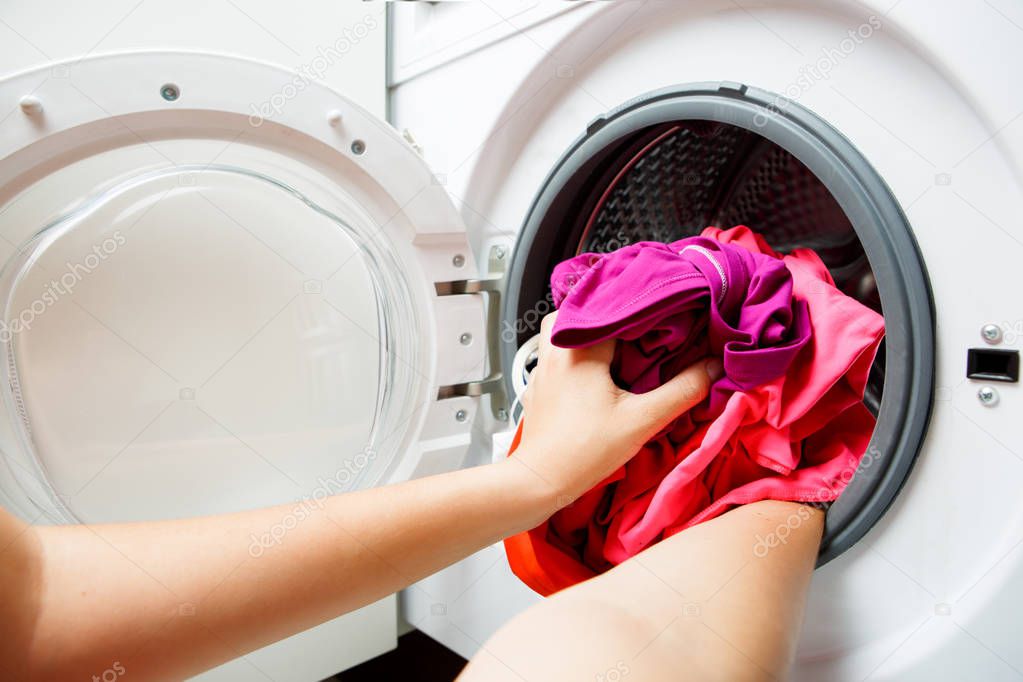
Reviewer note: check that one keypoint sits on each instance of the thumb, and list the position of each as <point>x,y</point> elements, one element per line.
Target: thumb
<point>685,390</point>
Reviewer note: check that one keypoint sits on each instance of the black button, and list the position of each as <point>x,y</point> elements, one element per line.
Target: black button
<point>992,364</point>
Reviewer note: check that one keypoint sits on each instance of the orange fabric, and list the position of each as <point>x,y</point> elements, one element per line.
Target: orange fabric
<point>538,564</point>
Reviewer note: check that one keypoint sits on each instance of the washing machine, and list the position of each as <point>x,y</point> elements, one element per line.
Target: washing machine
<point>226,287</point>
<point>878,133</point>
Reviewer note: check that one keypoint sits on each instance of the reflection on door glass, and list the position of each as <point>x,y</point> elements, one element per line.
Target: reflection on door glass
<point>201,339</point>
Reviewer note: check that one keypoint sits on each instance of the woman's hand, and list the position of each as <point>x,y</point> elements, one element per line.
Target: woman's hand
<point>253,577</point>
<point>579,426</point>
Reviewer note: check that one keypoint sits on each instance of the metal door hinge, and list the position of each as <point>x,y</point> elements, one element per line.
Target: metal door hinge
<point>493,383</point>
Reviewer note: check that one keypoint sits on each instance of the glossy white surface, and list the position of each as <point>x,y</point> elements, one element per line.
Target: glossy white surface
<point>494,94</point>
<point>246,368</point>
<point>937,584</point>
<point>271,315</point>
<point>362,175</point>
<point>340,44</point>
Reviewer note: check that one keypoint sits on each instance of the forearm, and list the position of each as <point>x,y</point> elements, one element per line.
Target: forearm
<point>169,599</point>
<point>173,598</point>
<point>706,604</point>
<point>724,599</point>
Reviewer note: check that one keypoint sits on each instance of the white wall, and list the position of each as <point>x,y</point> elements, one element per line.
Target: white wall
<point>340,42</point>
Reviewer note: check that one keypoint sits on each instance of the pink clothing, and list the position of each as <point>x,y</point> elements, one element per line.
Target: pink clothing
<point>791,428</point>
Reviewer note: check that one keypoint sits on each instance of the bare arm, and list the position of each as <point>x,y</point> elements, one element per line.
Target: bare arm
<point>170,599</point>
<point>715,602</point>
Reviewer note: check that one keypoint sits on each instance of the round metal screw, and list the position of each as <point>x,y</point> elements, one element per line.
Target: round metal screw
<point>465,339</point>
<point>502,414</point>
<point>500,252</point>
<point>458,261</point>
<point>988,396</point>
<point>170,92</point>
<point>991,333</point>
<point>358,147</point>
<point>461,415</point>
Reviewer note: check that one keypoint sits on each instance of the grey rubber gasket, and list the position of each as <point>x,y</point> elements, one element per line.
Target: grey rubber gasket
<point>876,217</point>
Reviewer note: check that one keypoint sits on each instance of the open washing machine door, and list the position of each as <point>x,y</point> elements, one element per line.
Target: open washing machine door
<point>225,289</point>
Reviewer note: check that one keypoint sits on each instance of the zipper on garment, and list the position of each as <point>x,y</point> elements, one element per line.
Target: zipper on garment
<point>709,255</point>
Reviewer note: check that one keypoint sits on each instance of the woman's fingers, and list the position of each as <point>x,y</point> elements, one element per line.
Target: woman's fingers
<point>579,426</point>
<point>546,326</point>
<point>649,411</point>
<point>600,353</point>
<point>683,392</point>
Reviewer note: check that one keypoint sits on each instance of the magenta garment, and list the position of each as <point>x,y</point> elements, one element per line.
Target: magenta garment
<point>786,421</point>
<point>676,303</point>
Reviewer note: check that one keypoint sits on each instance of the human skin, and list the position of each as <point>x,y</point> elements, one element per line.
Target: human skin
<point>169,599</point>
<point>714,602</point>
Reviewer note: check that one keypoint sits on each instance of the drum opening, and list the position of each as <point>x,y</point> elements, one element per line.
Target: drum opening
<point>668,164</point>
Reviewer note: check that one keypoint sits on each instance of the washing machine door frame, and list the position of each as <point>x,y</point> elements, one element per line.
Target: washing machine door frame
<point>68,111</point>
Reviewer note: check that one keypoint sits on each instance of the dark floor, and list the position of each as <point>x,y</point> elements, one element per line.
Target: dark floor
<point>417,658</point>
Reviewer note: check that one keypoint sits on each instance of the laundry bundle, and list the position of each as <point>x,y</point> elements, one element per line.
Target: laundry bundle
<point>786,421</point>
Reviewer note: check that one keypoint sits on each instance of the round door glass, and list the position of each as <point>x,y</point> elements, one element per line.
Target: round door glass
<point>197,339</point>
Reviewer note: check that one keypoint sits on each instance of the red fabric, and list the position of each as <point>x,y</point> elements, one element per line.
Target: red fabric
<point>799,437</point>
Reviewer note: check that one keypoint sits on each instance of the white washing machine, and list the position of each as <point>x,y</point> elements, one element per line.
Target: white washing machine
<point>223,287</point>
<point>588,126</point>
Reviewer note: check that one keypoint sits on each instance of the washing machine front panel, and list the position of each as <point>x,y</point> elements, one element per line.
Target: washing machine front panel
<point>211,304</point>
<point>936,582</point>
